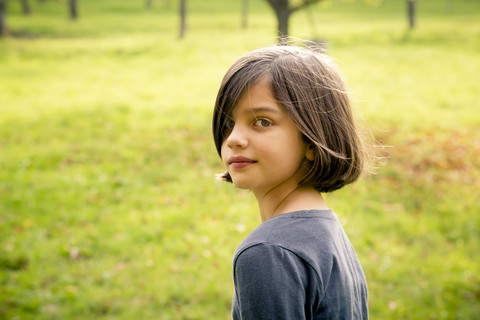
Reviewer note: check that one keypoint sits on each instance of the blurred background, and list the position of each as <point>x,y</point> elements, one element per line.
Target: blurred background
<point>108,204</point>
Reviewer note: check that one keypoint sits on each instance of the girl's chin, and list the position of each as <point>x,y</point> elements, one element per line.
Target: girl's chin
<point>242,185</point>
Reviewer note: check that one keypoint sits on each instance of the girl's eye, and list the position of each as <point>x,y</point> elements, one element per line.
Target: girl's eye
<point>263,123</point>
<point>229,124</point>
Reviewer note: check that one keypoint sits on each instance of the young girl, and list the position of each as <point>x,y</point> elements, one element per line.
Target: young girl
<point>283,127</point>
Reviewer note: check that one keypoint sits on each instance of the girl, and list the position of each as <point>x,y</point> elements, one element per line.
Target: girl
<point>283,127</point>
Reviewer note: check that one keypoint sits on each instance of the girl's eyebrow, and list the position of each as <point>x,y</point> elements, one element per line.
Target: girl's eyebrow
<point>263,109</point>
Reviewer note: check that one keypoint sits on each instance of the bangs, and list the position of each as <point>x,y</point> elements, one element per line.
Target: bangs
<point>237,81</point>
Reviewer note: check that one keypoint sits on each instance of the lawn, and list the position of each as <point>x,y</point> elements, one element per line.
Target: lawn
<point>108,204</point>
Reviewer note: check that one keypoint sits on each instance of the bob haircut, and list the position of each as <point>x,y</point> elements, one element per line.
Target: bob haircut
<point>307,85</point>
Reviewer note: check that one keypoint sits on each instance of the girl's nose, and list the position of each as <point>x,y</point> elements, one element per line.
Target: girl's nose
<point>237,138</point>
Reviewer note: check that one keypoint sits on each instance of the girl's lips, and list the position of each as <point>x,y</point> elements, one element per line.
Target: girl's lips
<point>239,162</point>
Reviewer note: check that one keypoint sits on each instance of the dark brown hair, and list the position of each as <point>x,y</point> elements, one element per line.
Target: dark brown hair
<point>312,92</point>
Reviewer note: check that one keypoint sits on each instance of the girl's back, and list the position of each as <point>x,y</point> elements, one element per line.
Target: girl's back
<point>299,265</point>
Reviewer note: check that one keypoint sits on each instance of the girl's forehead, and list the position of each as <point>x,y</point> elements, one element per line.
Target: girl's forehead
<point>257,98</point>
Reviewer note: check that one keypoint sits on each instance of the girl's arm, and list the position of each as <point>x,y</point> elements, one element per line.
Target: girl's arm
<point>273,283</point>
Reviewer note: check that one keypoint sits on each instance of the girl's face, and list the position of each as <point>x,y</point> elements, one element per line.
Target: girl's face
<point>263,148</point>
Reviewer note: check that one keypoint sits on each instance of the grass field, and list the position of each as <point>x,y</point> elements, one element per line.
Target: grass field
<point>108,206</point>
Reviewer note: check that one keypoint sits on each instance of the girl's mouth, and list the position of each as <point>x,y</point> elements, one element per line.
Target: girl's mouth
<point>238,162</point>
<point>243,164</point>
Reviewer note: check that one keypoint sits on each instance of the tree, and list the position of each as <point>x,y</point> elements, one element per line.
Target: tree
<point>183,9</point>
<point>244,13</point>
<point>3,17</point>
<point>25,7</point>
<point>283,10</point>
<point>148,3</point>
<point>72,6</point>
<point>411,13</point>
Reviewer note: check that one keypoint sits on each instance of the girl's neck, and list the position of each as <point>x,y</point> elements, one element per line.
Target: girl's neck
<point>286,200</point>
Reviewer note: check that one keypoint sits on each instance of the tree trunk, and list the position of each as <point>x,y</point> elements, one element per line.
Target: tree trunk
<point>282,12</point>
<point>3,16</point>
<point>283,16</point>
<point>183,9</point>
<point>73,9</point>
<point>148,3</point>
<point>25,7</point>
<point>411,13</point>
<point>244,13</point>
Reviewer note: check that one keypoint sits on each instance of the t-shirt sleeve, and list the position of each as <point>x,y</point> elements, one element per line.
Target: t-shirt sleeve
<point>270,283</point>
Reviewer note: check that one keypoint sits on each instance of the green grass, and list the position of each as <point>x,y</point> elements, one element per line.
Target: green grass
<point>108,206</point>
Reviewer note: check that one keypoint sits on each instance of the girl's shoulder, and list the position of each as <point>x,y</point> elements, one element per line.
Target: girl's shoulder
<point>303,233</point>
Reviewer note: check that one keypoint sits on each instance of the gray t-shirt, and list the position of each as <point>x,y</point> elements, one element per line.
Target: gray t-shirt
<point>298,265</point>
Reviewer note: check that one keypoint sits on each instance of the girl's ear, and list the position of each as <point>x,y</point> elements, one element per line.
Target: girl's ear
<point>310,154</point>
